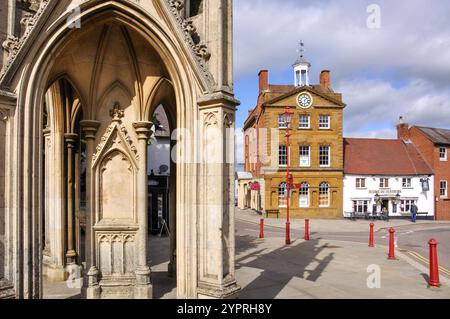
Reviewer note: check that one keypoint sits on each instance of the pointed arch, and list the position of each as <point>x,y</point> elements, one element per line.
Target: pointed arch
<point>115,85</point>
<point>187,85</point>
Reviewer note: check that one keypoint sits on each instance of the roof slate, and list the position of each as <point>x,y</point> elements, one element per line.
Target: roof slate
<point>436,135</point>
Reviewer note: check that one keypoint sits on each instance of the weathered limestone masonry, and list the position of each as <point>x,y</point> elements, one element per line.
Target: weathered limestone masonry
<point>78,88</point>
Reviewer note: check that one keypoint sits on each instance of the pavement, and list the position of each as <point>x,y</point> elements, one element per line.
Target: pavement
<point>325,269</point>
<point>335,264</point>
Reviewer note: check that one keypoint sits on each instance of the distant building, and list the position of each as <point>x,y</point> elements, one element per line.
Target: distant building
<point>316,145</point>
<point>391,174</point>
<point>434,145</point>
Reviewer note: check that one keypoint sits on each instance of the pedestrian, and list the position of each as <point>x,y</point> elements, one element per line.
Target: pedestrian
<point>385,214</point>
<point>414,212</point>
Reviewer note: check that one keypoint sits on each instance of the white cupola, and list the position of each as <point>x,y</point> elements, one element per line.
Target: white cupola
<point>301,68</point>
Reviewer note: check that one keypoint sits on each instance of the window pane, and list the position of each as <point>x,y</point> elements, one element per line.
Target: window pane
<point>324,194</point>
<point>281,121</point>
<point>305,155</point>
<point>324,156</point>
<point>304,195</point>
<point>324,121</point>
<point>282,155</point>
<point>282,201</point>
<point>304,121</point>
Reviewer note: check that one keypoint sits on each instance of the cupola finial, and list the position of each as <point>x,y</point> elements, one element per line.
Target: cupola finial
<point>301,67</point>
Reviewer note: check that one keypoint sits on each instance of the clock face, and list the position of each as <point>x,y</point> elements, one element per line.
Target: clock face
<point>304,100</point>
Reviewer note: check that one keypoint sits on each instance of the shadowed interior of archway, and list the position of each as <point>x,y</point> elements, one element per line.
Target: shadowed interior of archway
<point>101,67</point>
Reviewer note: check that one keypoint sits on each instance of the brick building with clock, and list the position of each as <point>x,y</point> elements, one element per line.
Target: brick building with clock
<point>316,146</point>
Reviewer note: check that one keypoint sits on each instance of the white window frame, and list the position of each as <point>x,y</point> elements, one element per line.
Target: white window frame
<point>360,179</point>
<point>406,203</point>
<point>328,194</point>
<point>282,200</point>
<point>279,156</point>
<point>443,150</point>
<point>445,189</point>
<point>300,122</point>
<point>300,156</point>
<point>327,123</point>
<point>383,184</point>
<point>361,203</point>
<point>281,122</point>
<point>408,183</point>
<point>302,195</point>
<point>329,156</point>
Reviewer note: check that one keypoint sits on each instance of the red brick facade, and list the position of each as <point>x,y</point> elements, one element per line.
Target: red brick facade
<point>429,148</point>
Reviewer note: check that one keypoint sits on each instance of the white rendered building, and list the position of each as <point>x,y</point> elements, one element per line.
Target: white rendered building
<point>387,174</point>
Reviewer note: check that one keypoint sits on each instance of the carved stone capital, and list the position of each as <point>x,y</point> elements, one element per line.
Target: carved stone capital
<point>71,139</point>
<point>90,128</point>
<point>218,99</point>
<point>143,129</point>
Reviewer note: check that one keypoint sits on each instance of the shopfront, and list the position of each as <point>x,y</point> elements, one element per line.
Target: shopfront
<point>373,195</point>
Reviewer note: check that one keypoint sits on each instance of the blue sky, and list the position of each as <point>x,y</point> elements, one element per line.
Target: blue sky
<point>400,68</point>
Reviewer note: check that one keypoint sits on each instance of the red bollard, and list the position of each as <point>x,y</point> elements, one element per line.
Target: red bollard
<point>371,245</point>
<point>261,229</point>
<point>391,244</point>
<point>434,266</point>
<point>306,229</point>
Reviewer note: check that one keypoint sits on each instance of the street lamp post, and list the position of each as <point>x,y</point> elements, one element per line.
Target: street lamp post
<point>287,116</point>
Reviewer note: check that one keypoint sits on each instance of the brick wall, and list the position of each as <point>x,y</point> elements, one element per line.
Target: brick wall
<point>430,152</point>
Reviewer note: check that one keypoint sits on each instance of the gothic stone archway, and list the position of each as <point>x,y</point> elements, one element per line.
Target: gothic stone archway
<point>115,62</point>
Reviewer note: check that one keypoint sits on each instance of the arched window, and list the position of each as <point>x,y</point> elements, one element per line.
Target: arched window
<point>324,194</point>
<point>304,195</point>
<point>282,192</point>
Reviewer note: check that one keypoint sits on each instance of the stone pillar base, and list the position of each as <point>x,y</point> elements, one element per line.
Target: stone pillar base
<point>228,291</point>
<point>143,291</point>
<point>143,288</point>
<point>91,288</point>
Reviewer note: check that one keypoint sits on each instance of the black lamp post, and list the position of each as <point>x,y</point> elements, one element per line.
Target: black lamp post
<point>287,118</point>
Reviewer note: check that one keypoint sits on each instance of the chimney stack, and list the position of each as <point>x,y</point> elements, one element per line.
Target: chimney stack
<point>325,79</point>
<point>263,81</point>
<point>403,130</point>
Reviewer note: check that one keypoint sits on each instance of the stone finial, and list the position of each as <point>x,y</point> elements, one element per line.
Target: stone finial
<point>116,112</point>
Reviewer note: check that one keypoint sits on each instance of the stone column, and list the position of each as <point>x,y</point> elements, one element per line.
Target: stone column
<point>143,288</point>
<point>216,216</point>
<point>47,163</point>
<point>91,288</point>
<point>71,140</point>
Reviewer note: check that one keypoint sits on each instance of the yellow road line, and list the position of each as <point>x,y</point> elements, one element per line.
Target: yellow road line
<point>426,261</point>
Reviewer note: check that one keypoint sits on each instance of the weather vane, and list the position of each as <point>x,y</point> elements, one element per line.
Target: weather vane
<point>301,50</point>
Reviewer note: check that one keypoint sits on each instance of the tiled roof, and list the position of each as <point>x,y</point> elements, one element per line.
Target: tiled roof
<point>436,135</point>
<point>281,88</point>
<point>383,157</point>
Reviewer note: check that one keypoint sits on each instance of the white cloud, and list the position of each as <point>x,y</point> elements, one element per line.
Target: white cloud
<point>377,101</point>
<point>402,68</point>
<point>414,39</point>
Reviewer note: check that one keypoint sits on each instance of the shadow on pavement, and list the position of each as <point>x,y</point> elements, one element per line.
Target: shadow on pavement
<point>280,265</point>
